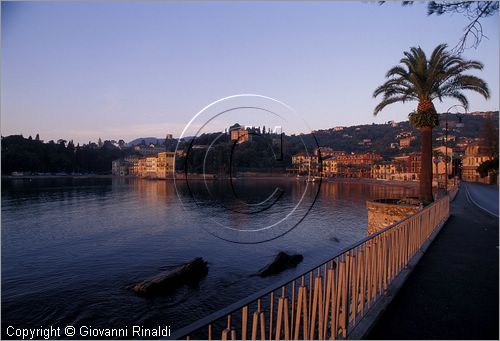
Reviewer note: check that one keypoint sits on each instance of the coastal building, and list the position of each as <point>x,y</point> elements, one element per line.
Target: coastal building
<point>412,162</point>
<point>329,167</point>
<point>165,164</point>
<point>397,169</point>
<point>119,167</point>
<point>239,134</point>
<point>123,167</point>
<point>349,165</point>
<point>151,167</point>
<point>159,166</point>
<point>475,155</point>
<point>141,167</point>
<point>356,165</point>
<point>384,170</point>
<point>404,168</point>
<point>305,163</point>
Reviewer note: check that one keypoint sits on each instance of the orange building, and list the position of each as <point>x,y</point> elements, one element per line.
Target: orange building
<point>239,134</point>
<point>356,165</point>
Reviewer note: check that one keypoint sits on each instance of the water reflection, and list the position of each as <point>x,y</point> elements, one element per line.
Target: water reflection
<point>71,247</point>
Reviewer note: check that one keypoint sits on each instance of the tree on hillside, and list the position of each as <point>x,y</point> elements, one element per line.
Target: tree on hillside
<point>488,167</point>
<point>424,80</point>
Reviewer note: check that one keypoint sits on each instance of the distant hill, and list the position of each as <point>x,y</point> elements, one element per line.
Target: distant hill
<point>29,155</point>
<point>370,137</point>
<point>155,140</point>
<point>147,140</point>
<point>378,137</point>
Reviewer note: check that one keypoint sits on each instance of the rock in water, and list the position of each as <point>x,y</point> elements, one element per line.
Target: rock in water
<point>281,262</point>
<point>164,282</point>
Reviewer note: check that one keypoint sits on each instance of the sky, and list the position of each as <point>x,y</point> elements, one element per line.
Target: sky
<point>122,70</point>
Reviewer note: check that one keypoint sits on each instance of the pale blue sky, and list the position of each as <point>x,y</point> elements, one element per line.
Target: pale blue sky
<point>83,70</point>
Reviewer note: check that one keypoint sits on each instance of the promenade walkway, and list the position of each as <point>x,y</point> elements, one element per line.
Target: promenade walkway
<point>453,291</point>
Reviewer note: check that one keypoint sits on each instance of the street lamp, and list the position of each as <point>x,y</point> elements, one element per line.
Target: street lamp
<point>460,124</point>
<point>437,160</point>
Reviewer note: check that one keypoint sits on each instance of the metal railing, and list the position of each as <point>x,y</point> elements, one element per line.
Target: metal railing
<point>452,193</point>
<point>328,301</point>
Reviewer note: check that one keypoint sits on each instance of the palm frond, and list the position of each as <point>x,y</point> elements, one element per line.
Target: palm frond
<point>422,79</point>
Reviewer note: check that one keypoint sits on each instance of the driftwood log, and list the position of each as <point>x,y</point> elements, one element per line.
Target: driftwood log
<point>189,273</point>
<point>280,263</point>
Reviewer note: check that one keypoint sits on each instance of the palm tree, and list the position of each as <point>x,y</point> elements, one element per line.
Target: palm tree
<point>424,80</point>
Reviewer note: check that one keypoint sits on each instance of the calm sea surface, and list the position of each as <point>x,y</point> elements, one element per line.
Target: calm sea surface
<point>71,247</point>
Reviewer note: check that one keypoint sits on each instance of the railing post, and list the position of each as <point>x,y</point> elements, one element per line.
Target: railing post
<point>337,297</point>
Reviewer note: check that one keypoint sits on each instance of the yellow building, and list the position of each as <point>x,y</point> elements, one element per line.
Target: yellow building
<point>384,171</point>
<point>475,155</point>
<point>329,167</point>
<point>165,164</point>
<point>151,167</point>
<point>160,166</point>
<point>305,163</point>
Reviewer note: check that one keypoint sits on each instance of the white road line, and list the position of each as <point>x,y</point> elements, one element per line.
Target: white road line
<point>469,196</point>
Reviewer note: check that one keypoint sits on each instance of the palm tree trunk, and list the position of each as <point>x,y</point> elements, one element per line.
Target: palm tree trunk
<point>426,164</point>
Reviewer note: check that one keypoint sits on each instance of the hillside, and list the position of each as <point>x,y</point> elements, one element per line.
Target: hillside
<point>381,138</point>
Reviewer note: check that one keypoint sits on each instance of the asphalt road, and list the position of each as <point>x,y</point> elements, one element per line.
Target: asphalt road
<point>452,293</point>
<point>484,196</point>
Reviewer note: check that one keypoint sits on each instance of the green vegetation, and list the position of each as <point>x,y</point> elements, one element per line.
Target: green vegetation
<point>489,167</point>
<point>262,153</point>
<point>21,154</point>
